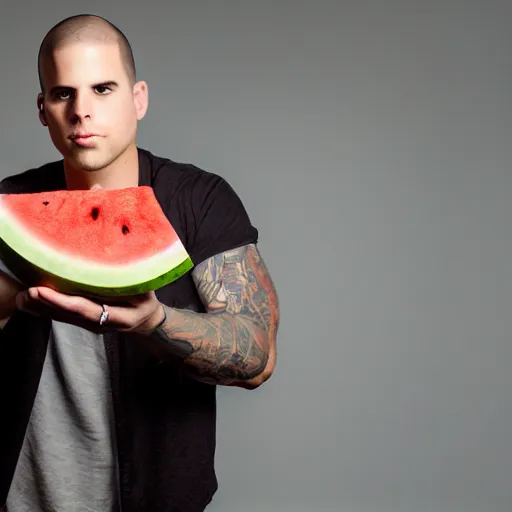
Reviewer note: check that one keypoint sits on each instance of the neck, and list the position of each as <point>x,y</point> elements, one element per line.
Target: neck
<point>121,173</point>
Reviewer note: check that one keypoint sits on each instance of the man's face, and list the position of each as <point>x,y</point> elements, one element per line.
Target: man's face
<point>90,107</point>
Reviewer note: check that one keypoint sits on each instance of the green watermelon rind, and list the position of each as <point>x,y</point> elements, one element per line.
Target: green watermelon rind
<point>32,275</point>
<point>26,256</point>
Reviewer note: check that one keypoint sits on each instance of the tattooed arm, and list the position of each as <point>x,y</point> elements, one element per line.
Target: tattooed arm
<point>234,343</point>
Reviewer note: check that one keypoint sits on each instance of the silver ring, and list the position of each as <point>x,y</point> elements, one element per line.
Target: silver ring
<point>104,315</point>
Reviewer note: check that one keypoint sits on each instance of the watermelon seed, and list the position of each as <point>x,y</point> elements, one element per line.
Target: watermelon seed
<point>46,203</point>
<point>95,212</point>
<point>125,230</point>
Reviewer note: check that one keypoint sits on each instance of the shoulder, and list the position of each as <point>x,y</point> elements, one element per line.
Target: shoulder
<point>211,215</point>
<point>39,179</point>
<point>187,186</point>
<point>172,176</point>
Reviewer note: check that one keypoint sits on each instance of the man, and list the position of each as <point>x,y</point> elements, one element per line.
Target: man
<point>122,416</point>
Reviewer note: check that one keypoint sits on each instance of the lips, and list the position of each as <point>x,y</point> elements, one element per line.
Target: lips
<point>84,139</point>
<point>82,136</point>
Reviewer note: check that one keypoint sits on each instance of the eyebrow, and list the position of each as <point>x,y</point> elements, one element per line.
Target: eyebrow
<point>108,83</point>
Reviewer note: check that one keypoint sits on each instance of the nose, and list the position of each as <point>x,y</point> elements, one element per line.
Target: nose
<point>80,108</point>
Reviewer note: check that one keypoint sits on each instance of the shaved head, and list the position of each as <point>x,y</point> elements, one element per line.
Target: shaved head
<point>85,28</point>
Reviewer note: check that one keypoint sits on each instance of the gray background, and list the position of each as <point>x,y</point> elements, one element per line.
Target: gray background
<point>370,142</point>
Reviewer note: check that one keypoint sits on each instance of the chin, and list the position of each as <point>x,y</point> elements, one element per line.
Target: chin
<point>89,162</point>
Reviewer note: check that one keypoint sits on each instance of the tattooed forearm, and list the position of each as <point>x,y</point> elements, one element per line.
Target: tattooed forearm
<point>232,341</point>
<point>216,348</point>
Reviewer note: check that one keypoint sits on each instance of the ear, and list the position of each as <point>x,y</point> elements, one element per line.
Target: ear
<point>140,99</point>
<point>40,107</point>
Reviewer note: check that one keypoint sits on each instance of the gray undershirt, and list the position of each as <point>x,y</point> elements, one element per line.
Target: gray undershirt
<point>67,460</point>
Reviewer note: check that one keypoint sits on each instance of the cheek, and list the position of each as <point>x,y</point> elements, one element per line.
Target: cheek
<point>55,123</point>
<point>119,114</point>
<point>127,121</point>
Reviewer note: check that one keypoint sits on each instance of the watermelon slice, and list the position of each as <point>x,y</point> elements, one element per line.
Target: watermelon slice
<point>91,242</point>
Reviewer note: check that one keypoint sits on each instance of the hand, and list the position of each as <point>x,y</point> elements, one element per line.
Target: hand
<point>138,314</point>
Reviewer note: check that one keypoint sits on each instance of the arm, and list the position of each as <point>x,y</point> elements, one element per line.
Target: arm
<point>234,342</point>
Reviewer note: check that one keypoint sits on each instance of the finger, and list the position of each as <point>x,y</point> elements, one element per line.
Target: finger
<point>59,301</point>
<point>26,302</point>
<point>75,304</point>
<point>86,309</point>
<point>72,303</point>
<point>127,316</point>
<point>53,295</point>
<point>120,317</point>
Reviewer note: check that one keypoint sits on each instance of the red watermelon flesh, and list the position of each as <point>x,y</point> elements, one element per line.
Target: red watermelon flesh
<point>120,226</point>
<point>98,240</point>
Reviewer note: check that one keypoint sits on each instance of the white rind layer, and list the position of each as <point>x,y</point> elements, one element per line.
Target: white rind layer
<point>79,270</point>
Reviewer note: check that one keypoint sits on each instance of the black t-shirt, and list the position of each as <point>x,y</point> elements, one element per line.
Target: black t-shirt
<point>207,214</point>
<point>165,421</point>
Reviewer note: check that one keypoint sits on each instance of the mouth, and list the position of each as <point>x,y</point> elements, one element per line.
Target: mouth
<point>78,136</point>
<point>84,139</point>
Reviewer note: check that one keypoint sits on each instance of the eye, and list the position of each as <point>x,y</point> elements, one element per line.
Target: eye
<point>62,95</point>
<point>103,89</point>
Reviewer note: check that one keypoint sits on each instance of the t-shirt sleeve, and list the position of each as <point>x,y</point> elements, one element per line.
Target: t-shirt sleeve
<point>220,220</point>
